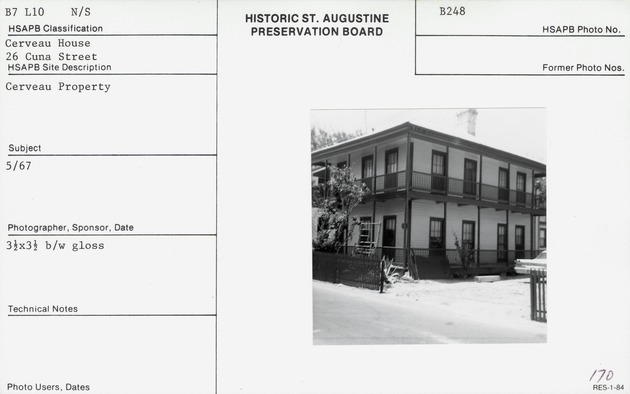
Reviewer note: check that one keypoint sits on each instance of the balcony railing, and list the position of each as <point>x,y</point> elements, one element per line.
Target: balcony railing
<point>390,182</point>
<point>439,184</point>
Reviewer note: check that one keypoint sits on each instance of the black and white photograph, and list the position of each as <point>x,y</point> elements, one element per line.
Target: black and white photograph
<point>429,226</point>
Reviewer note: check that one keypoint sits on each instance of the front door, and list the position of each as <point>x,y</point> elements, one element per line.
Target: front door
<point>391,169</point>
<point>389,236</point>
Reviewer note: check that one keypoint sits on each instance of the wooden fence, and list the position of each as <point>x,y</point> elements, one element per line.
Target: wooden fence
<point>358,271</point>
<point>538,291</point>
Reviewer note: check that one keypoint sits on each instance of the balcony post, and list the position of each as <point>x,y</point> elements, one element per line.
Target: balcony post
<point>374,196</point>
<point>478,235</point>
<point>507,233</point>
<point>374,167</point>
<point>531,237</point>
<point>407,224</point>
<point>446,172</point>
<point>509,182</point>
<point>532,193</point>
<point>480,176</point>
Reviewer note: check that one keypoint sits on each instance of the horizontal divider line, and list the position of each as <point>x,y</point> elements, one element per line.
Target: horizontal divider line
<point>118,315</point>
<point>108,74</point>
<point>523,35</point>
<point>112,154</point>
<point>111,235</point>
<point>526,75</point>
<point>117,35</point>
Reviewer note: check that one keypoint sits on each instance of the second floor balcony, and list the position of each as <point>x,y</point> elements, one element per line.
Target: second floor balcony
<point>448,186</point>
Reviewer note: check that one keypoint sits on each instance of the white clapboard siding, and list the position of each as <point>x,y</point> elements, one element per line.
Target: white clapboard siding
<point>421,212</point>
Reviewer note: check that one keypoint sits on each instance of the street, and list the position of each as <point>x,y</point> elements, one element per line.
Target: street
<point>343,315</point>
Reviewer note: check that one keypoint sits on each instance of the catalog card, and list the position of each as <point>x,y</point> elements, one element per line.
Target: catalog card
<point>245,196</point>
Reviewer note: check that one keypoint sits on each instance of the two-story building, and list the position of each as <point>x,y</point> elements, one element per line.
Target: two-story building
<point>427,189</point>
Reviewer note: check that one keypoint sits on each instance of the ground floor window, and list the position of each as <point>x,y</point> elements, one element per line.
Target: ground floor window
<point>468,237</point>
<point>519,241</point>
<point>502,241</point>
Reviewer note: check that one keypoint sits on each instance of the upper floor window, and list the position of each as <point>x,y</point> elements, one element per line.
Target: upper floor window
<point>470,176</point>
<point>504,184</point>
<point>521,180</point>
<point>438,171</point>
<point>391,161</point>
<point>367,167</point>
<point>438,163</point>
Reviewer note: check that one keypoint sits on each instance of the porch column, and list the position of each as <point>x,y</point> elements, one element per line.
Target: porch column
<point>374,199</point>
<point>531,239</point>
<point>348,215</point>
<point>507,232</point>
<point>374,167</point>
<point>407,224</point>
<point>480,176</point>
<point>509,184</point>
<point>533,185</point>
<point>446,175</point>
<point>479,235</point>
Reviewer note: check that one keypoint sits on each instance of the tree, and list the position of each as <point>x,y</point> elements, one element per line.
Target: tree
<point>321,139</point>
<point>540,191</point>
<point>466,255</point>
<point>334,204</point>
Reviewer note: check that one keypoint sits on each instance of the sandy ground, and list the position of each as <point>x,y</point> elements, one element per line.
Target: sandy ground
<point>416,312</point>
<point>505,300</point>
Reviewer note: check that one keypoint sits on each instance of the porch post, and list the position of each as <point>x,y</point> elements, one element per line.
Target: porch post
<point>533,185</point>
<point>347,215</point>
<point>446,175</point>
<point>507,233</point>
<point>531,238</point>
<point>480,176</point>
<point>407,224</point>
<point>375,240</point>
<point>479,235</point>
<point>479,211</point>
<point>374,167</point>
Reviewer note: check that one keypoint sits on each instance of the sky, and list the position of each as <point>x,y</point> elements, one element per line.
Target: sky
<point>522,131</point>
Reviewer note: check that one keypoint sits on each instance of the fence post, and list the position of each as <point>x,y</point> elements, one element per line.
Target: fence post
<point>532,292</point>
<point>382,275</point>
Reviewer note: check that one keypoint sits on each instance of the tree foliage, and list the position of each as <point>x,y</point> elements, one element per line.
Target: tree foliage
<point>334,202</point>
<point>540,189</point>
<point>321,139</point>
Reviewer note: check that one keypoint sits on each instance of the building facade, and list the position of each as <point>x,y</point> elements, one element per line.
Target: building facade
<point>429,190</point>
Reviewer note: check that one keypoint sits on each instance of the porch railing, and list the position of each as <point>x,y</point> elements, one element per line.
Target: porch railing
<point>480,257</point>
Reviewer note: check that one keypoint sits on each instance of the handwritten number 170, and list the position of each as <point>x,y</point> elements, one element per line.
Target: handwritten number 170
<point>608,374</point>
